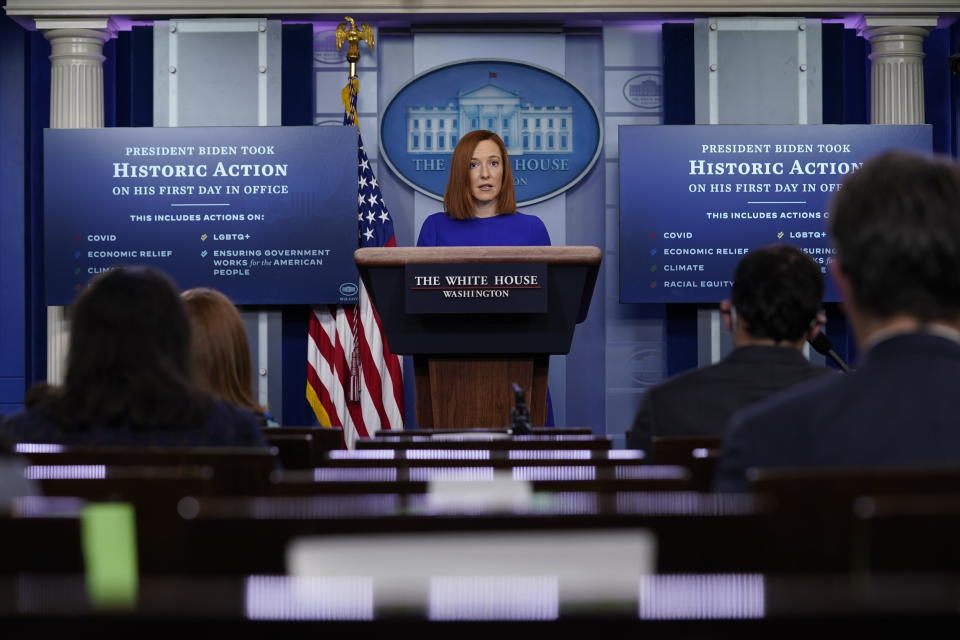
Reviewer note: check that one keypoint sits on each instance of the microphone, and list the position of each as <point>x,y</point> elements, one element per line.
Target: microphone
<point>520,414</point>
<point>823,346</point>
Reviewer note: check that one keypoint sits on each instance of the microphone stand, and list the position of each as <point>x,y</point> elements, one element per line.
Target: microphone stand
<point>520,414</point>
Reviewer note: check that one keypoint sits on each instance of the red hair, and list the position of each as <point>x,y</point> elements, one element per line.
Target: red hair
<point>458,198</point>
<point>220,353</point>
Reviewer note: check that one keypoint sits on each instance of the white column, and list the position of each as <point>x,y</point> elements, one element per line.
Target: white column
<point>897,67</point>
<point>76,102</point>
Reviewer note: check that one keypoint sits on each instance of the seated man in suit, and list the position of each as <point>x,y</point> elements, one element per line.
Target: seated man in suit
<point>896,229</point>
<point>774,307</point>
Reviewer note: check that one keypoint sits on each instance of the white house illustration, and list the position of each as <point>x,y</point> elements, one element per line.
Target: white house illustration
<point>644,93</point>
<point>525,128</point>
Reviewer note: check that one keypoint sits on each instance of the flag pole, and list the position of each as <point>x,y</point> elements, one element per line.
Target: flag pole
<point>352,34</point>
<point>358,386</point>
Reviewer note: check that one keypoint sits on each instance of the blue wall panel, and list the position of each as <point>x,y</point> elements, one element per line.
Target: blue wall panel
<point>12,206</point>
<point>937,89</point>
<point>856,78</point>
<point>679,107</point>
<point>140,85</point>
<point>37,119</point>
<point>297,105</point>
<point>678,76</point>
<point>832,41</point>
<point>846,71</point>
<point>297,108</point>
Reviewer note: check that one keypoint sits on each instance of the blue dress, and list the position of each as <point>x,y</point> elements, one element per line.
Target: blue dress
<point>507,230</point>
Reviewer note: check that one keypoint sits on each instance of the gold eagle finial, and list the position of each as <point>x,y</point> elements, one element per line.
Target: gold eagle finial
<point>352,33</point>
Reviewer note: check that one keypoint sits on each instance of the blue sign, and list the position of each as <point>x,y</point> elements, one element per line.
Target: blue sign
<point>552,131</point>
<point>696,199</point>
<point>267,215</point>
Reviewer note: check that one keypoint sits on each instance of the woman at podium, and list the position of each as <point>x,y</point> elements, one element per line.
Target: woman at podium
<point>480,202</point>
<point>481,205</point>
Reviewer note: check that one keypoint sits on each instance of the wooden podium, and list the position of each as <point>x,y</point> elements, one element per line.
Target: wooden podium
<point>465,362</point>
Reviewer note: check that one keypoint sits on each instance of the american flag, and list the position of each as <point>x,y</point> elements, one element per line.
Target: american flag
<point>353,380</point>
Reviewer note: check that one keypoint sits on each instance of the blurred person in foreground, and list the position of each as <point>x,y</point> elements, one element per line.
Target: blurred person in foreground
<point>895,225</point>
<point>220,352</point>
<point>774,308</point>
<point>128,379</point>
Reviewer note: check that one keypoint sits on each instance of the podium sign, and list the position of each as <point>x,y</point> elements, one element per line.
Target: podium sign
<point>476,288</point>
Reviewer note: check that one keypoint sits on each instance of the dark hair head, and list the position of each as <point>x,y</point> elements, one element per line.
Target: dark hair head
<point>458,198</point>
<point>128,363</point>
<point>896,228</point>
<point>220,352</point>
<point>777,292</point>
